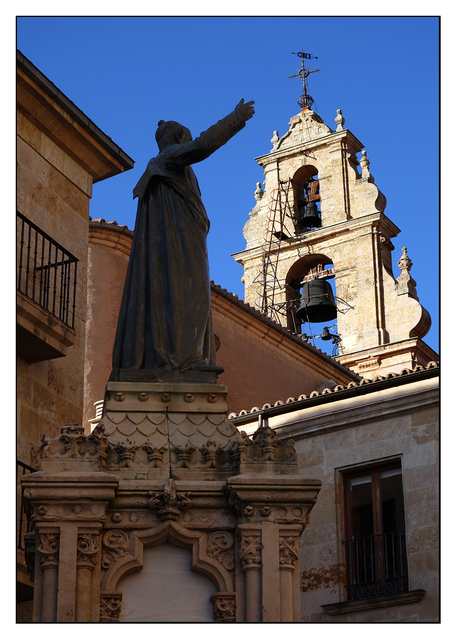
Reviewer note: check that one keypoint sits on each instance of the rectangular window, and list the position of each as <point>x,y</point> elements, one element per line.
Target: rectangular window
<point>375,533</point>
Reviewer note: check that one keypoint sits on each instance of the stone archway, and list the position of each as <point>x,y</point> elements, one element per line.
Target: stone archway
<point>170,587</point>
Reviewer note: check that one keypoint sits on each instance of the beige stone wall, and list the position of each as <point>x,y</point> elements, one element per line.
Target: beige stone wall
<point>53,191</point>
<point>375,307</point>
<point>394,424</point>
<point>109,250</point>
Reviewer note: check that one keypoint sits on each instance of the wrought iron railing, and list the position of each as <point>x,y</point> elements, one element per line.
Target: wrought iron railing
<point>23,526</point>
<point>46,271</point>
<point>376,565</point>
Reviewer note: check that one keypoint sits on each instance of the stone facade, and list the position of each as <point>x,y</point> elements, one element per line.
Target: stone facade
<point>60,154</point>
<point>375,310</point>
<point>346,431</point>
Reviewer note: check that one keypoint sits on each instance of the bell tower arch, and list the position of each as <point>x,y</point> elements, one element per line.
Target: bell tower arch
<point>320,209</point>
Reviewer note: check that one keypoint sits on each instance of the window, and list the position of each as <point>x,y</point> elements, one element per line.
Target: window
<point>375,533</point>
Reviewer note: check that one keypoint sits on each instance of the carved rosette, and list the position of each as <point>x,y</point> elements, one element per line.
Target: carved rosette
<point>223,607</point>
<point>48,547</point>
<point>115,544</point>
<point>87,549</point>
<point>250,552</point>
<point>110,607</point>
<point>221,548</point>
<point>288,552</point>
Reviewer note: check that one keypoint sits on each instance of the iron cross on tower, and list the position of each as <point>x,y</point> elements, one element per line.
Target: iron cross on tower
<point>305,100</point>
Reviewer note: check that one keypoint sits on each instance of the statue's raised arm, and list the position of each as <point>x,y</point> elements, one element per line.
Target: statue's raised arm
<point>165,318</point>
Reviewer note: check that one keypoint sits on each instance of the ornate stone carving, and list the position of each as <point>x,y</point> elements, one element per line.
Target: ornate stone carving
<point>74,444</point>
<point>266,451</point>
<point>115,544</point>
<point>110,607</point>
<point>169,502</point>
<point>224,606</point>
<point>48,547</point>
<point>211,451</point>
<point>183,454</point>
<point>126,451</point>
<point>220,547</point>
<point>87,549</point>
<point>288,551</point>
<point>250,552</point>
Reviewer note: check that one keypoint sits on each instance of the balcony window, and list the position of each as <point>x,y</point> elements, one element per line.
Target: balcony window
<point>46,288</point>
<point>375,547</point>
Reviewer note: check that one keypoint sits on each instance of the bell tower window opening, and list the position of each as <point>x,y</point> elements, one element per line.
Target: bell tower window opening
<point>312,308</point>
<point>307,199</point>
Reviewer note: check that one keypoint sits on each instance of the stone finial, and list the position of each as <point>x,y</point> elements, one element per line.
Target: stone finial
<point>365,164</point>
<point>275,140</point>
<point>339,120</point>
<point>258,193</point>
<point>405,283</point>
<point>405,264</point>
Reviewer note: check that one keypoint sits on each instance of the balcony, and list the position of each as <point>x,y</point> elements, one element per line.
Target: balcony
<point>376,565</point>
<point>46,294</point>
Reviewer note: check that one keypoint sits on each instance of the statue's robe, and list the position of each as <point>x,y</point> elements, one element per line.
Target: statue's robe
<point>165,317</point>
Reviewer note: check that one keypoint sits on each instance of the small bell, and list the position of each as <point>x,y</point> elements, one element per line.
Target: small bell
<point>326,335</point>
<point>310,216</point>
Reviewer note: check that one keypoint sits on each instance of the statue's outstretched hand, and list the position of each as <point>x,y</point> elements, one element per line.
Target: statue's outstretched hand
<point>246,110</point>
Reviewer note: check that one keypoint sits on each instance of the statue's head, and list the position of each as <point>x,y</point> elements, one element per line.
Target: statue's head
<point>171,132</point>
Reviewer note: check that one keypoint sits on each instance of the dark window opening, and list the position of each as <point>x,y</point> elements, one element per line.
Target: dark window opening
<point>376,558</point>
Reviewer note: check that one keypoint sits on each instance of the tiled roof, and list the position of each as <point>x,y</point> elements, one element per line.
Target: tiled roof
<point>364,383</point>
<point>101,222</point>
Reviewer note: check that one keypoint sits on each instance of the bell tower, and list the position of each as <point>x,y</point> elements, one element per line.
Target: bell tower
<point>319,249</point>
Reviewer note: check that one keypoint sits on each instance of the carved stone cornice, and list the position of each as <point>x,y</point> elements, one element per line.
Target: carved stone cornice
<point>283,499</point>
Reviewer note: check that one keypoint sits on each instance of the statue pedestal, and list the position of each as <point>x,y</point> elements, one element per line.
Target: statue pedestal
<point>166,465</point>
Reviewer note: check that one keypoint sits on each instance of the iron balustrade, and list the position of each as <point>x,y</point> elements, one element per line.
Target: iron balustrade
<point>376,565</point>
<point>23,525</point>
<point>46,271</point>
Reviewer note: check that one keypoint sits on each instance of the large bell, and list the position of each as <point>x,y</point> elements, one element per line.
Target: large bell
<point>317,302</point>
<point>310,217</point>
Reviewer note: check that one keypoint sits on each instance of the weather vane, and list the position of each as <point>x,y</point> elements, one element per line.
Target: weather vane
<point>305,100</point>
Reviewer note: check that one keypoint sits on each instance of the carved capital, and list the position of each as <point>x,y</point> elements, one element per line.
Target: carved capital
<point>110,607</point>
<point>224,605</point>
<point>87,549</point>
<point>288,552</point>
<point>48,546</point>
<point>250,552</point>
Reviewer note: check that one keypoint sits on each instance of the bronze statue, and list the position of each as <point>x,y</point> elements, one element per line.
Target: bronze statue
<point>165,317</point>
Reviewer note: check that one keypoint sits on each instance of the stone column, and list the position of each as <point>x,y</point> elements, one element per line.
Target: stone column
<point>48,548</point>
<point>288,561</point>
<point>250,558</point>
<point>67,511</point>
<point>273,505</point>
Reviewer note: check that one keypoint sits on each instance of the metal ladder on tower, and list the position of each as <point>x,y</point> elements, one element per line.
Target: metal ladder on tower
<point>275,231</point>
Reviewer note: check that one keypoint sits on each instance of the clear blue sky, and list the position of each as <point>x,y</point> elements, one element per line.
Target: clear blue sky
<point>128,73</point>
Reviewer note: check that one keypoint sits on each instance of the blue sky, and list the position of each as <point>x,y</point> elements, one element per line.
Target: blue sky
<point>128,73</point>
